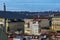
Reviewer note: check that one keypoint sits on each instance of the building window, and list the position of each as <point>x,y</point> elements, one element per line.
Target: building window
<point>1,25</point>
<point>56,24</point>
<point>28,25</point>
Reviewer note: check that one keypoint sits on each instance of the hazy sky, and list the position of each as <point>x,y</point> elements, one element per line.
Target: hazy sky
<point>31,5</point>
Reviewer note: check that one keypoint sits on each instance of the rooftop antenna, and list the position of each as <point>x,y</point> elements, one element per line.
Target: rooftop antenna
<point>4,7</point>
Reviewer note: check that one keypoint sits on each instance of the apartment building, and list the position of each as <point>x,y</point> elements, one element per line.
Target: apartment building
<point>2,24</point>
<point>56,23</point>
<point>31,27</point>
<point>27,27</point>
<point>34,26</point>
<point>15,25</point>
<point>44,24</point>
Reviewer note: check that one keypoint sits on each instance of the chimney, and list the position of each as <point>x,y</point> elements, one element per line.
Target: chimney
<point>4,7</point>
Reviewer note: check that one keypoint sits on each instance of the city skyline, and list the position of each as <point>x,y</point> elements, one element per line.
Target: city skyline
<point>31,5</point>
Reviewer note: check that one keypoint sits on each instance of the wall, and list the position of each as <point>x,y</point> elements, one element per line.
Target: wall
<point>56,23</point>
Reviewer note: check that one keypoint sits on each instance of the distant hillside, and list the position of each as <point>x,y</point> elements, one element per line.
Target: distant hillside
<point>25,14</point>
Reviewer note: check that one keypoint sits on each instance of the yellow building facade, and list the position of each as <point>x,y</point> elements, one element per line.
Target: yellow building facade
<point>2,23</point>
<point>6,25</point>
<point>56,24</point>
<point>27,28</point>
<point>2,20</point>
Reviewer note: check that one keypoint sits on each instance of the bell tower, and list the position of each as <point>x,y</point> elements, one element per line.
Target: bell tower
<point>4,7</point>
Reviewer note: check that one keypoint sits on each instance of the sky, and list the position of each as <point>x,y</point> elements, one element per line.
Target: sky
<point>31,5</point>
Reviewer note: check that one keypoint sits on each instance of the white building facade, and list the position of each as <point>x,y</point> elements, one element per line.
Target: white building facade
<point>35,27</point>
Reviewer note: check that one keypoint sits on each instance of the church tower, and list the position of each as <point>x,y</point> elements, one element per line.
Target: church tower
<point>4,7</point>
